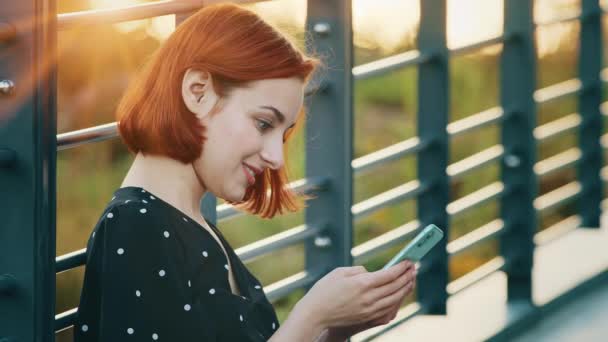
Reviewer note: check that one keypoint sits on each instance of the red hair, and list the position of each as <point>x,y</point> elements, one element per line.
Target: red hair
<point>235,46</point>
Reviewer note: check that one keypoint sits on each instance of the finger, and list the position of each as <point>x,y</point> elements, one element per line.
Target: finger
<point>354,270</point>
<point>389,288</point>
<point>392,299</point>
<point>381,277</point>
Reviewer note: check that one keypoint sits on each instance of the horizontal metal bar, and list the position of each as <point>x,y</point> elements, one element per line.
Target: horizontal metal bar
<point>71,260</point>
<point>306,186</point>
<point>463,50</point>
<point>557,91</point>
<point>87,135</point>
<point>477,198</point>
<point>135,12</point>
<point>388,64</point>
<point>557,127</point>
<point>365,251</point>
<point>463,167</point>
<point>286,286</point>
<point>559,20</point>
<point>604,174</point>
<point>473,277</point>
<point>604,141</point>
<point>604,109</point>
<point>604,75</point>
<point>557,162</point>
<point>278,241</point>
<point>481,119</point>
<point>65,319</point>
<point>475,237</point>
<point>558,230</point>
<point>392,196</point>
<point>557,197</point>
<point>403,315</point>
<point>246,253</point>
<point>398,150</point>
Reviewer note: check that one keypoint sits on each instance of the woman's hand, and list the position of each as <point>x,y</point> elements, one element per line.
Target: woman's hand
<point>351,299</point>
<point>345,332</point>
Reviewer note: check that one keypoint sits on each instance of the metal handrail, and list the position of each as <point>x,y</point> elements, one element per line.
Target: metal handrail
<point>285,286</point>
<point>87,135</point>
<point>392,196</point>
<point>557,162</point>
<point>476,46</point>
<point>559,20</point>
<point>557,197</point>
<point>469,164</point>
<point>365,251</point>
<point>557,127</point>
<point>475,121</point>
<point>475,199</point>
<point>557,230</point>
<point>135,12</point>
<point>557,91</point>
<point>382,156</point>
<point>475,276</point>
<point>385,65</point>
<point>306,186</point>
<point>488,231</point>
<point>278,241</point>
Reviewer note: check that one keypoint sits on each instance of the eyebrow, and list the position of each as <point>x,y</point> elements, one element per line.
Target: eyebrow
<point>280,116</point>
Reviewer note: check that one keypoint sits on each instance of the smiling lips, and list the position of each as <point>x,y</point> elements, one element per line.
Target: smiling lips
<point>250,173</point>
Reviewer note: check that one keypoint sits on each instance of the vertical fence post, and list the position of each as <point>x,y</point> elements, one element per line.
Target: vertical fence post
<point>517,86</point>
<point>27,170</point>
<point>433,104</point>
<point>329,148</point>
<point>590,98</point>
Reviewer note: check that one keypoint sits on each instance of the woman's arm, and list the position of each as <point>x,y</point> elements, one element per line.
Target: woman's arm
<point>302,324</point>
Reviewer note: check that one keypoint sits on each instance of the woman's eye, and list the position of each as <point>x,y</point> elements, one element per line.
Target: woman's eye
<point>263,125</point>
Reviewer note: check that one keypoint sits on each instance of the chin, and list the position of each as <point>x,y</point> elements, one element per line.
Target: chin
<point>235,197</point>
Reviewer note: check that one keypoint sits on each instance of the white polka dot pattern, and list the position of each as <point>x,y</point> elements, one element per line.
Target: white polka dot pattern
<point>84,328</point>
<point>212,291</point>
<point>120,251</point>
<point>110,215</point>
<point>155,337</point>
<point>161,273</point>
<point>138,293</point>
<point>130,331</point>
<point>205,254</point>
<point>143,210</point>
<point>166,234</point>
<point>187,307</point>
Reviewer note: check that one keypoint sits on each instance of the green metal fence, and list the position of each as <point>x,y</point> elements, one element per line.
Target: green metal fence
<point>28,147</point>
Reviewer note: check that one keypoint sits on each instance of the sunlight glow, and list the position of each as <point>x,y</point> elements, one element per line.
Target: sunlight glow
<point>388,24</point>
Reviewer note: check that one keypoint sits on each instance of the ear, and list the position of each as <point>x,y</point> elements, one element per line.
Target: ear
<point>197,92</point>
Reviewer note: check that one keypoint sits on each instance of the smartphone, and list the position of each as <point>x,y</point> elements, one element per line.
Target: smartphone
<point>418,247</point>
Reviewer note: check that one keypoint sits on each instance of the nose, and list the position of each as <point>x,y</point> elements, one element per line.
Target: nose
<point>272,155</point>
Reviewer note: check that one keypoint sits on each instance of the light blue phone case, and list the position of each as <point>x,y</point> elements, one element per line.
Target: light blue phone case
<point>419,246</point>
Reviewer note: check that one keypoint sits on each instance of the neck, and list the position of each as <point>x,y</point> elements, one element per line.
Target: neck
<point>169,179</point>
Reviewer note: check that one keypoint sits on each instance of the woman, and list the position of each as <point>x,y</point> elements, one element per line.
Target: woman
<point>211,112</point>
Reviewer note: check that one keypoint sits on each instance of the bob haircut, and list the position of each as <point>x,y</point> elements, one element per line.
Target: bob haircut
<point>235,46</point>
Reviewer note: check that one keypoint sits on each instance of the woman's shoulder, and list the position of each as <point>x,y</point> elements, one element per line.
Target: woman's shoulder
<point>128,213</point>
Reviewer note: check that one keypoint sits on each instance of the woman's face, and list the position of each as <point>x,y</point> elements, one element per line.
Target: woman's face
<point>246,134</point>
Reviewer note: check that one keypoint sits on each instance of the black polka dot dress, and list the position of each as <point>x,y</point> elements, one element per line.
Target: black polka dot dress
<point>153,274</point>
